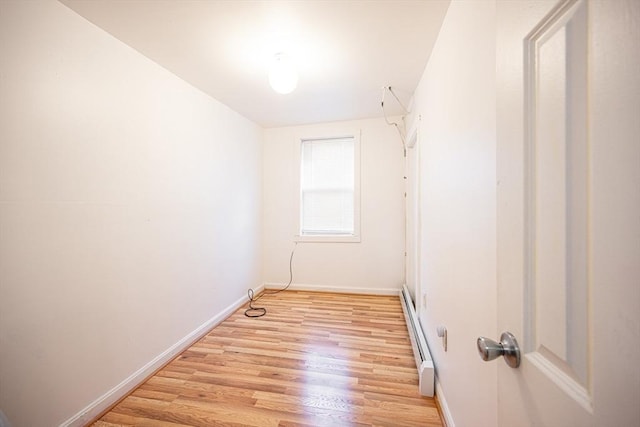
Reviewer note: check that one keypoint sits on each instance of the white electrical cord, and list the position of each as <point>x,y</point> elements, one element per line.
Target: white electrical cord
<point>261,311</point>
<point>400,132</point>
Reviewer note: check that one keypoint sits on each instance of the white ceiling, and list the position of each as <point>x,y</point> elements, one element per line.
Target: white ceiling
<point>346,51</point>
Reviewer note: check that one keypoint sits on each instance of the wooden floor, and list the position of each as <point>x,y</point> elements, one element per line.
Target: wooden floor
<point>315,359</point>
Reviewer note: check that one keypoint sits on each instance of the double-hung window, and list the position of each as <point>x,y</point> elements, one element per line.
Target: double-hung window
<point>329,189</point>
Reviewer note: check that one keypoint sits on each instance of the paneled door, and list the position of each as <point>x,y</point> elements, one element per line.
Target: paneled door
<point>568,130</point>
<point>412,220</point>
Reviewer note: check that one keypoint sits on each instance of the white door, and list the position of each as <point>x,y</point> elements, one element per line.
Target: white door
<point>568,126</point>
<point>412,224</point>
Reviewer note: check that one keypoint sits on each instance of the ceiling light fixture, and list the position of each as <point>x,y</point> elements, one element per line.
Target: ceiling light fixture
<point>283,76</point>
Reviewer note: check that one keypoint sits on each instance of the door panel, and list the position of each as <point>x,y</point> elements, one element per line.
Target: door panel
<point>562,69</point>
<point>556,199</point>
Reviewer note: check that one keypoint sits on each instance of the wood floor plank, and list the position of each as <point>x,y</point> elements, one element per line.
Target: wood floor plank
<point>315,359</point>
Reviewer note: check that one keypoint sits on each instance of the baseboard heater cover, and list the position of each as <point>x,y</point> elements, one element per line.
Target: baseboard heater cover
<point>424,363</point>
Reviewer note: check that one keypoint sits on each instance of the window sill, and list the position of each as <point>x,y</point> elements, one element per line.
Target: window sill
<point>328,238</point>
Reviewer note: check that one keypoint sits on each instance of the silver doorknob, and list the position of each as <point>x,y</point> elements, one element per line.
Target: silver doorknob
<point>507,347</point>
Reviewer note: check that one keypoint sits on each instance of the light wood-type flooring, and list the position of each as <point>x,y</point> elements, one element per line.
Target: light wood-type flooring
<point>315,359</point>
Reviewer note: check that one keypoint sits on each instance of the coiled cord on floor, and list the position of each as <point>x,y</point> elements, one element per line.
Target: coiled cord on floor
<point>261,311</point>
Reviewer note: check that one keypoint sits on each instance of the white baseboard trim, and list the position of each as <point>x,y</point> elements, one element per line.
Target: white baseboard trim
<point>95,408</point>
<point>446,414</point>
<point>342,290</point>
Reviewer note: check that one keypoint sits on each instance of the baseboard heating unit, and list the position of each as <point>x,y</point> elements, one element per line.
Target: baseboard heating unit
<point>419,343</point>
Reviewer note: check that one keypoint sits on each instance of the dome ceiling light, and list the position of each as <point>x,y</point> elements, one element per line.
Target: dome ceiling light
<point>283,76</point>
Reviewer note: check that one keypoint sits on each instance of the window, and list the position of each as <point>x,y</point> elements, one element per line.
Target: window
<point>329,189</point>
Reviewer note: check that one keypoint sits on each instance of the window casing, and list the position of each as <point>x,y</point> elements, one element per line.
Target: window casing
<point>329,196</point>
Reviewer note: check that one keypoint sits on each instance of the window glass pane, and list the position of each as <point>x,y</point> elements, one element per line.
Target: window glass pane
<point>328,163</point>
<point>327,186</point>
<point>327,212</point>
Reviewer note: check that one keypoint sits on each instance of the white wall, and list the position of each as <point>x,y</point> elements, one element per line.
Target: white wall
<point>129,211</point>
<point>457,136</point>
<point>376,263</point>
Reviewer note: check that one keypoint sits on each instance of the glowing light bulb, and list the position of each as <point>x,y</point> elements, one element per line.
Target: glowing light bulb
<point>283,76</point>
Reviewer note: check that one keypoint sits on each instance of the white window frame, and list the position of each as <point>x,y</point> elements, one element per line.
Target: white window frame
<point>329,238</point>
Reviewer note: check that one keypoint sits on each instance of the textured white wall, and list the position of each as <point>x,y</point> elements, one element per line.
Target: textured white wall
<point>456,100</point>
<point>373,265</point>
<point>129,211</point>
